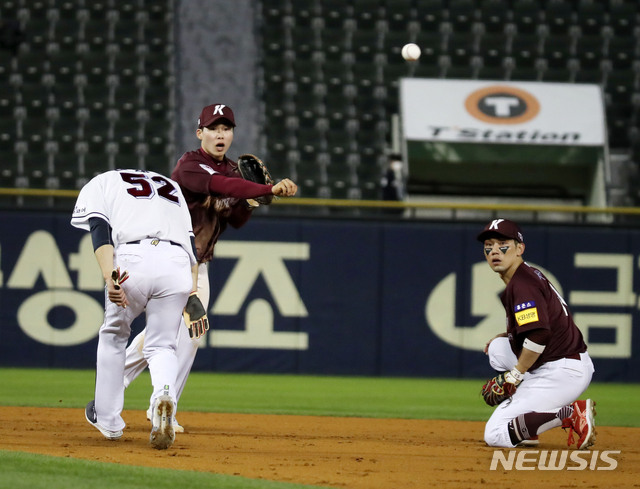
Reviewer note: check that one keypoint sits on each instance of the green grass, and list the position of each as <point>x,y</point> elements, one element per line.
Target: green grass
<point>27,471</point>
<point>617,405</point>
<point>374,397</point>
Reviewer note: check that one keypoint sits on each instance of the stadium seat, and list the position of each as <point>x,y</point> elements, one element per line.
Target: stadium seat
<point>398,14</point>
<point>64,66</point>
<point>622,52</point>
<point>67,170</point>
<point>430,14</point>
<point>334,74</point>
<point>157,36</point>
<point>494,48</point>
<point>530,71</point>
<point>590,17</point>
<point>494,15</point>
<point>367,13</point>
<point>8,169</point>
<point>303,41</point>
<point>95,137</point>
<point>557,50</point>
<point>36,98</point>
<point>462,15</point>
<point>36,34</point>
<point>333,42</point>
<point>365,45</point>
<point>304,13</point>
<point>461,47</point>
<point>96,99</point>
<point>95,67</point>
<point>66,33</point>
<point>559,16</point>
<point>127,10</point>
<point>31,66</point>
<point>526,16</point>
<point>525,48</point>
<point>623,17</point>
<point>156,66</point>
<point>9,9</point>
<point>127,66</point>
<point>590,51</point>
<point>127,99</point>
<point>96,34</point>
<point>8,99</point>
<point>620,85</point>
<point>8,134</point>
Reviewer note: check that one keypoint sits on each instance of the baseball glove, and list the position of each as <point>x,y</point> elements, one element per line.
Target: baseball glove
<point>119,278</point>
<point>499,389</point>
<point>195,317</point>
<point>253,169</point>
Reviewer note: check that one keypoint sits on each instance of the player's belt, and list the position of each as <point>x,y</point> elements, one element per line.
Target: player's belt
<point>575,356</point>
<point>158,240</point>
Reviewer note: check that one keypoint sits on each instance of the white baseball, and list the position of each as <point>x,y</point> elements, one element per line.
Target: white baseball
<point>411,52</point>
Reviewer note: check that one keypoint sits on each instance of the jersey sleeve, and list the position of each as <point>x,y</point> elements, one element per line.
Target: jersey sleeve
<point>90,203</point>
<point>194,176</point>
<point>529,310</point>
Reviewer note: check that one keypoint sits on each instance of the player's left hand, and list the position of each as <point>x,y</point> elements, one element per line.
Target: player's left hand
<point>500,388</point>
<point>195,317</point>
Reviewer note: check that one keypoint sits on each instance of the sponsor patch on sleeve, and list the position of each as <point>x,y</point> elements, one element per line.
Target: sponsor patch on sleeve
<point>526,312</point>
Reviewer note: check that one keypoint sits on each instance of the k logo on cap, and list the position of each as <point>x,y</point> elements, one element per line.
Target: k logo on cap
<point>216,113</point>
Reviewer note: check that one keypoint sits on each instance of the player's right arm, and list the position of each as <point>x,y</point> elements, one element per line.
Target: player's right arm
<point>104,255</point>
<point>103,249</point>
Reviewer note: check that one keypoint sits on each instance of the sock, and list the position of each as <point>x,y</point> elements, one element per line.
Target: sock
<point>528,425</point>
<point>565,412</point>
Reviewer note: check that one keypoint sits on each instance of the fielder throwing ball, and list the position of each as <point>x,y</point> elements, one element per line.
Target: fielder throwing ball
<point>220,192</point>
<point>143,240</point>
<point>542,358</point>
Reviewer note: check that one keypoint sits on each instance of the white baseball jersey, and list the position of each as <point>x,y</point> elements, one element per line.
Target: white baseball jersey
<point>120,197</point>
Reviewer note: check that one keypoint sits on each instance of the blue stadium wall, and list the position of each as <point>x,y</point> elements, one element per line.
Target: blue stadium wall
<point>371,298</point>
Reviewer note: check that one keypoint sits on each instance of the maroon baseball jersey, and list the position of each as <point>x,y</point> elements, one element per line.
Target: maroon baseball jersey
<point>212,211</point>
<point>531,302</point>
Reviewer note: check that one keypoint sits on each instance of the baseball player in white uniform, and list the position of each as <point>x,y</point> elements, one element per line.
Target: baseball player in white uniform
<point>143,240</point>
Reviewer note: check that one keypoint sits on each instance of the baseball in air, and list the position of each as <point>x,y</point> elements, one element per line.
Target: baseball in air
<point>411,52</point>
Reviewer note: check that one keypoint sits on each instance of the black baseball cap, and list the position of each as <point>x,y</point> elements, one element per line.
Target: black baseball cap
<point>216,113</point>
<point>501,228</point>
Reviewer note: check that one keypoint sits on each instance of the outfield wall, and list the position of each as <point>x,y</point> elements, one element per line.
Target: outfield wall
<point>329,296</point>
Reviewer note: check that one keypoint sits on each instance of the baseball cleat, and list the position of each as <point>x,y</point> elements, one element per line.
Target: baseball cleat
<point>583,424</point>
<point>92,418</point>
<point>176,426</point>
<point>162,433</point>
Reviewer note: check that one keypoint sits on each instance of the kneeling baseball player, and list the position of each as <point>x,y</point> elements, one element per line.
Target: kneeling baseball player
<point>542,358</point>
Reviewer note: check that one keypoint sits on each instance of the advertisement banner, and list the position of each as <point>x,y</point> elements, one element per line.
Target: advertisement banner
<point>329,297</point>
<point>472,111</point>
<point>514,139</point>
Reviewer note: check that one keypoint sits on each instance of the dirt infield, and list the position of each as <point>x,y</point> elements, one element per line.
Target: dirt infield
<point>353,453</point>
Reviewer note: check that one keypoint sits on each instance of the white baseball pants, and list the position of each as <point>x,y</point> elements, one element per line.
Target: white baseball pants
<point>160,282</point>
<point>186,348</point>
<point>545,390</point>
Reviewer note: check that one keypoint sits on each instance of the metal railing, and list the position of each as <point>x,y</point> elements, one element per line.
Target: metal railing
<point>406,210</point>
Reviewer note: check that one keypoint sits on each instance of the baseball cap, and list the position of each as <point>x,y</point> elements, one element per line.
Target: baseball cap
<point>501,227</point>
<point>214,113</point>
